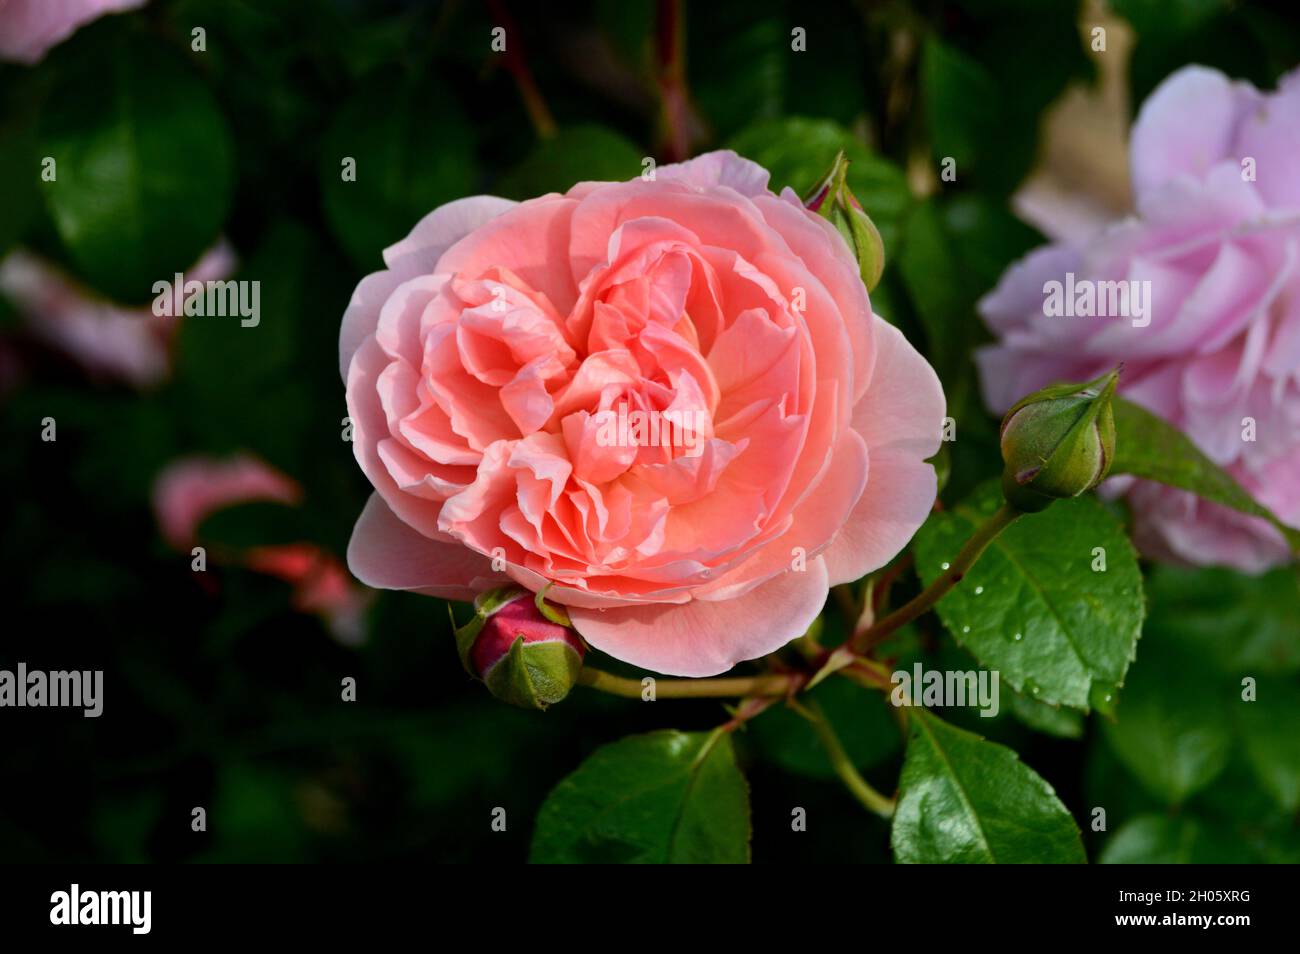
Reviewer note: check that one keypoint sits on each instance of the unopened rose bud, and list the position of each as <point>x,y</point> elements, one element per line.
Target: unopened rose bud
<point>834,201</point>
<point>522,649</point>
<point>1058,442</point>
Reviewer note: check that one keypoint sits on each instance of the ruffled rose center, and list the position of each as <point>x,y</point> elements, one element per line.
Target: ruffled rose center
<point>597,443</point>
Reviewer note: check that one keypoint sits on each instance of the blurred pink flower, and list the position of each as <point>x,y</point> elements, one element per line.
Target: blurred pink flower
<point>191,489</point>
<point>29,28</point>
<point>1216,174</point>
<point>128,344</point>
<point>322,586</point>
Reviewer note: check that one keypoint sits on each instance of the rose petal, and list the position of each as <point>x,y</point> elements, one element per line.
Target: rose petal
<point>704,639</point>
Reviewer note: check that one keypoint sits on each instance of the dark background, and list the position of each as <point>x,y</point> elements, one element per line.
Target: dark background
<point>218,693</point>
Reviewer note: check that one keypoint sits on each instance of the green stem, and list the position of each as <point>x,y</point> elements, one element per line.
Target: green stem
<point>1005,516</point>
<point>871,799</point>
<point>768,684</point>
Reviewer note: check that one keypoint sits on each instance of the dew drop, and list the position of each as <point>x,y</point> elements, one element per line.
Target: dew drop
<point>979,590</point>
<point>965,629</point>
<point>943,566</point>
<point>1018,637</point>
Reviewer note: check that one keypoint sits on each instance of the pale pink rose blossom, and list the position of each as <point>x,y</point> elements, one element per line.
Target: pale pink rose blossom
<point>483,363</point>
<point>191,489</point>
<point>1221,251</point>
<point>29,28</point>
<point>105,338</point>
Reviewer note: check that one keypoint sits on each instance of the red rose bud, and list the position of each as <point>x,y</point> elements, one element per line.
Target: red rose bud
<point>1058,442</point>
<point>521,648</point>
<point>833,200</point>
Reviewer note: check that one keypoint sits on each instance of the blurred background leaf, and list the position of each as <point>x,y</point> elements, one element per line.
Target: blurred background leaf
<point>143,160</point>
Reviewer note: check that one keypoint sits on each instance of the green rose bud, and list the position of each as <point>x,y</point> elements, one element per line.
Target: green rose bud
<point>522,649</point>
<point>832,199</point>
<point>1058,442</point>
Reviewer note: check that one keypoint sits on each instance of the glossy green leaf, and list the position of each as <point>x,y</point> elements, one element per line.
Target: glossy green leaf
<point>1150,447</point>
<point>413,151</point>
<point>583,153</point>
<point>662,797</point>
<point>963,799</point>
<point>143,161</point>
<point>1033,606</point>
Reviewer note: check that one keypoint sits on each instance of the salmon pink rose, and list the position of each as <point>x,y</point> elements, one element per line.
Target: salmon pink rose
<point>668,400</point>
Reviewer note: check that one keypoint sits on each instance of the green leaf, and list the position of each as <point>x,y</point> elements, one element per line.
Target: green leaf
<point>1052,720</point>
<point>1268,727</point>
<point>580,154</point>
<point>1160,840</point>
<point>937,285</point>
<point>798,151</point>
<point>953,251</point>
<point>1245,625</point>
<point>982,88</point>
<point>143,161</point>
<point>1032,606</point>
<point>963,799</point>
<point>413,151</point>
<point>662,797</point>
<point>1172,728</point>
<point>962,105</point>
<point>1148,446</point>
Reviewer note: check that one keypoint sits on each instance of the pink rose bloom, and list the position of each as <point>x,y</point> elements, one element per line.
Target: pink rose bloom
<point>191,489</point>
<point>489,366</point>
<point>1216,177</point>
<point>107,339</point>
<point>321,586</point>
<point>28,28</point>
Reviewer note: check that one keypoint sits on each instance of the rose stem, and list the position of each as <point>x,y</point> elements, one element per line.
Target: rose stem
<point>675,103</point>
<point>768,684</point>
<point>871,799</point>
<point>866,639</point>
